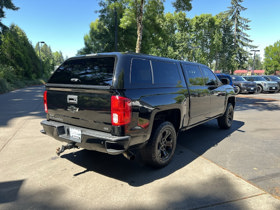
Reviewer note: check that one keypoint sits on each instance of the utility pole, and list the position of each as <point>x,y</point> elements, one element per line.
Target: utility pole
<point>254,60</point>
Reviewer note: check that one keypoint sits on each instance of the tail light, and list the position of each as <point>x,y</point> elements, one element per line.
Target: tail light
<point>120,110</point>
<point>45,102</point>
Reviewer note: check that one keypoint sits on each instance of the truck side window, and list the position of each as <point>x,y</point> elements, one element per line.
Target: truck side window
<point>140,72</point>
<point>165,73</point>
<point>193,74</point>
<point>210,78</point>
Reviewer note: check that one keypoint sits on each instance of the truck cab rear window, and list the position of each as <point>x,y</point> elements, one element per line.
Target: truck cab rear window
<point>154,73</point>
<point>165,73</point>
<point>85,71</point>
<point>141,72</point>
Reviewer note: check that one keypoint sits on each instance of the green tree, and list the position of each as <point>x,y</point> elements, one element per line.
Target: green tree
<point>206,39</point>
<point>17,51</point>
<point>258,62</point>
<point>139,22</point>
<point>174,40</point>
<point>101,36</point>
<point>224,44</point>
<point>46,57</point>
<point>57,58</point>
<point>272,58</point>
<point>182,5</point>
<point>204,28</point>
<point>241,38</point>
<point>140,11</point>
<point>7,4</point>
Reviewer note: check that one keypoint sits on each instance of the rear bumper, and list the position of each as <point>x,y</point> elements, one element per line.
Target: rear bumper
<point>89,139</point>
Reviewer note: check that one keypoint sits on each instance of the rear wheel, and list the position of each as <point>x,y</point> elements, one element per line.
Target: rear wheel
<point>225,121</point>
<point>161,146</point>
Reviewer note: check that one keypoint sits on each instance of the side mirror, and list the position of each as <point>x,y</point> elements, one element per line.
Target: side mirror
<point>225,81</point>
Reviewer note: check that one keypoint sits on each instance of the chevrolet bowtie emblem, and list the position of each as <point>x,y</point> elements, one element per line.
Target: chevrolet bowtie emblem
<point>72,109</point>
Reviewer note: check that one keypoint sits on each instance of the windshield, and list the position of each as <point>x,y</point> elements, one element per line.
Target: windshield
<point>274,78</point>
<point>85,71</point>
<point>258,79</point>
<point>237,78</point>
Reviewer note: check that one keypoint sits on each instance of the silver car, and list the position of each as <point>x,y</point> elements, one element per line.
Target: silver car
<point>262,84</point>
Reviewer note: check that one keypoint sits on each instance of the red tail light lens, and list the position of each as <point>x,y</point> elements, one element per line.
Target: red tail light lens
<point>45,102</point>
<point>120,110</point>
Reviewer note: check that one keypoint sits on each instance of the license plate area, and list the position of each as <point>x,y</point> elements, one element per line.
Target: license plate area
<point>75,134</point>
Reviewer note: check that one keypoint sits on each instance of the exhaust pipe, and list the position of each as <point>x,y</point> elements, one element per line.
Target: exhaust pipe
<point>129,155</point>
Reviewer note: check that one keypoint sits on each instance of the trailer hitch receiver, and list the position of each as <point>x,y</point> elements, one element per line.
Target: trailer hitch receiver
<point>63,148</point>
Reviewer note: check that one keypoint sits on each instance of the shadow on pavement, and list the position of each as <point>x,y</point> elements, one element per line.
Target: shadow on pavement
<point>9,191</point>
<point>137,174</point>
<point>201,138</point>
<point>214,193</point>
<point>20,103</point>
<point>247,103</point>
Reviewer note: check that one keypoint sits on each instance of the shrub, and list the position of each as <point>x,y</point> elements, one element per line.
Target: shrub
<point>8,73</point>
<point>4,86</point>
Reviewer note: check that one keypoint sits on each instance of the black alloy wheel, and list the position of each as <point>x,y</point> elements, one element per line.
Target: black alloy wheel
<point>226,120</point>
<point>165,145</point>
<point>161,146</point>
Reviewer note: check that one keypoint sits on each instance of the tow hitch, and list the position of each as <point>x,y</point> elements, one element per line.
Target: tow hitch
<point>63,148</point>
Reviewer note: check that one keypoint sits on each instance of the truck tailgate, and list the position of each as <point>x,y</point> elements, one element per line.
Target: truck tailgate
<point>88,108</point>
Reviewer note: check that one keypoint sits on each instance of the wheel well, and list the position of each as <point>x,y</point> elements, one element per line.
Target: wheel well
<point>260,86</point>
<point>173,116</point>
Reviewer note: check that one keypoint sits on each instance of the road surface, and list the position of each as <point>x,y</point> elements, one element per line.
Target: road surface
<point>212,168</point>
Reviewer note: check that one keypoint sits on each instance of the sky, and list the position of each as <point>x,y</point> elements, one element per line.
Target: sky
<point>62,24</point>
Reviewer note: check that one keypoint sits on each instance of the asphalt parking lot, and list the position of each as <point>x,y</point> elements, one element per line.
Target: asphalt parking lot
<point>212,169</point>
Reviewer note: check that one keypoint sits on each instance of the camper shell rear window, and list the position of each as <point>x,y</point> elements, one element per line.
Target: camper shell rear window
<point>85,71</point>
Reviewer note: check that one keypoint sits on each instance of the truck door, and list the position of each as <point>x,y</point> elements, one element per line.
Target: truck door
<point>217,93</point>
<point>199,94</point>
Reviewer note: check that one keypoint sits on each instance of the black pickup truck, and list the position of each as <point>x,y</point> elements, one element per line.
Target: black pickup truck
<point>119,103</point>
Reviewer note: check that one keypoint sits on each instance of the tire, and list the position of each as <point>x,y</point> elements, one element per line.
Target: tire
<point>237,90</point>
<point>259,89</point>
<point>160,149</point>
<point>226,120</point>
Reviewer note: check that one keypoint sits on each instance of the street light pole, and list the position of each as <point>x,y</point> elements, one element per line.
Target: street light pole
<point>42,70</point>
<point>254,60</point>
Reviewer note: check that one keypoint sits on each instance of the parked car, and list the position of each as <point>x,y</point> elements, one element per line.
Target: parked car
<point>117,103</point>
<point>242,85</point>
<point>273,78</point>
<point>262,84</point>
<point>230,81</point>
